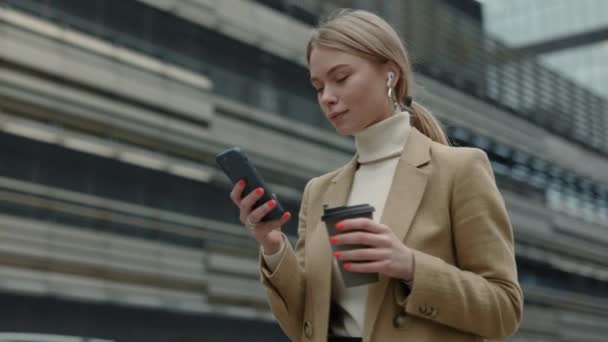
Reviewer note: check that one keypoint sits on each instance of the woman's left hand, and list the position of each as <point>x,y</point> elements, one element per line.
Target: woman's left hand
<point>386,254</point>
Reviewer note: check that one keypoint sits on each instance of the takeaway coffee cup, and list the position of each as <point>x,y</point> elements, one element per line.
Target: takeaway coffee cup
<point>331,216</point>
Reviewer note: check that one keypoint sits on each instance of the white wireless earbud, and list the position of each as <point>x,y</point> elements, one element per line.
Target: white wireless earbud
<point>391,76</point>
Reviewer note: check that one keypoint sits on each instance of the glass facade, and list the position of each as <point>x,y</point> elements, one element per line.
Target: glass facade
<point>262,80</point>
<point>522,23</point>
<point>533,273</point>
<point>56,167</point>
<point>56,319</point>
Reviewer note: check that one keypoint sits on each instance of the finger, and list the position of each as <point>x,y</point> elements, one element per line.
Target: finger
<point>361,223</point>
<point>237,192</point>
<point>250,199</point>
<point>363,254</point>
<point>270,225</point>
<point>361,238</point>
<point>258,214</point>
<point>366,267</point>
<point>285,218</point>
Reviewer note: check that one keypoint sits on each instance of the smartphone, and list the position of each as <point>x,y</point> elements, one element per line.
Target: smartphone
<point>237,166</point>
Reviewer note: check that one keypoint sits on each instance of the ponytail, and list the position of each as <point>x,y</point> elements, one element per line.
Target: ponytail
<point>427,124</point>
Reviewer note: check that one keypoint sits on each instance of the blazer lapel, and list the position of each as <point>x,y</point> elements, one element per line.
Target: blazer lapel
<point>403,200</point>
<point>339,187</point>
<point>336,195</point>
<point>318,249</point>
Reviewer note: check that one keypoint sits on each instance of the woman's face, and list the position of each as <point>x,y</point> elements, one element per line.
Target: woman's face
<point>351,90</point>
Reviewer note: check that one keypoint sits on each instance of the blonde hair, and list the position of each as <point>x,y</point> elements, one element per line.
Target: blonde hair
<point>366,35</point>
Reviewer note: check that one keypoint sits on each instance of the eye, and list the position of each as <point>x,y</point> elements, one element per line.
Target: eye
<point>319,90</point>
<point>341,79</point>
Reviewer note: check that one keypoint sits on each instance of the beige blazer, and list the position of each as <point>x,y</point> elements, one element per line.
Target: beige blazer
<point>444,204</point>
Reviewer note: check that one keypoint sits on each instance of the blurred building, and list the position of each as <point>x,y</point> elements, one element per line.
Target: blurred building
<point>115,224</point>
<point>567,36</point>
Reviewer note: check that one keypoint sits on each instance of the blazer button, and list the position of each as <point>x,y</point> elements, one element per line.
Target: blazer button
<point>400,320</point>
<point>308,329</point>
<point>434,313</point>
<point>423,309</point>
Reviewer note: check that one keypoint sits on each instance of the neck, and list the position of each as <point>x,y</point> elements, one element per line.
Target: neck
<point>384,138</point>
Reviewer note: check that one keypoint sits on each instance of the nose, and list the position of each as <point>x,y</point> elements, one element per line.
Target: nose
<point>328,98</point>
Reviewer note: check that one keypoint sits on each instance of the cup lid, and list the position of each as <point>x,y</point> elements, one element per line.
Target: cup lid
<point>347,211</point>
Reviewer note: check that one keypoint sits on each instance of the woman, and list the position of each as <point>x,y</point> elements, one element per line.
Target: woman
<point>441,239</point>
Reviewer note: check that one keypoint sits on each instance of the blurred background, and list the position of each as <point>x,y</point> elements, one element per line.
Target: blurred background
<point>116,225</point>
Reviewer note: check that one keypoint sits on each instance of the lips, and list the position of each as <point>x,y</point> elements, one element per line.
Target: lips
<point>337,115</point>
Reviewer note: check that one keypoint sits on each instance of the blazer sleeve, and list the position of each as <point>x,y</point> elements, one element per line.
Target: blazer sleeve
<point>480,296</point>
<point>285,284</point>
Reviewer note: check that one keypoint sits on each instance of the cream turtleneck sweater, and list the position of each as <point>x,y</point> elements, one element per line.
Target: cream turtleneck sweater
<point>378,147</point>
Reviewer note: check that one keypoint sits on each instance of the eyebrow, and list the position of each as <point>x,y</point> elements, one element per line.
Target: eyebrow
<point>331,70</point>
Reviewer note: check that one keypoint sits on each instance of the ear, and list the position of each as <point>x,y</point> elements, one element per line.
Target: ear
<point>390,77</point>
<point>391,66</point>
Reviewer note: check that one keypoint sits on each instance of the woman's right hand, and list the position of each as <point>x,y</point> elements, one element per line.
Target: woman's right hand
<point>268,234</point>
